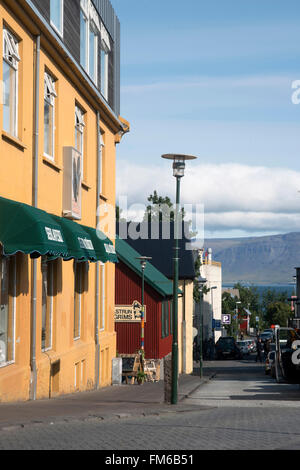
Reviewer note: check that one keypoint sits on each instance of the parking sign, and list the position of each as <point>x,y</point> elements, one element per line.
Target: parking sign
<point>226,319</point>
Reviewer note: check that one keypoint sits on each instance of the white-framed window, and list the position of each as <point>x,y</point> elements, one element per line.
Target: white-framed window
<point>57,16</point>
<point>11,61</point>
<point>47,303</point>
<point>7,310</point>
<point>105,49</point>
<point>89,39</point>
<point>79,134</point>
<point>102,296</point>
<point>49,115</point>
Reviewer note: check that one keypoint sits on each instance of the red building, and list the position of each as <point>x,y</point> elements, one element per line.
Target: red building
<point>158,291</point>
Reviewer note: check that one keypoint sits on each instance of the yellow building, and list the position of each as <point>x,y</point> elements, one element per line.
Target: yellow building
<point>60,123</point>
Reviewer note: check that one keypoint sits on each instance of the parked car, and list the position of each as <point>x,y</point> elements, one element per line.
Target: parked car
<point>244,347</point>
<point>266,336</point>
<point>270,364</point>
<point>252,345</point>
<point>227,347</point>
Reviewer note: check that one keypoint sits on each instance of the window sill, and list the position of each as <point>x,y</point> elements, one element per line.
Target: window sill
<point>52,164</point>
<point>13,140</point>
<point>103,197</point>
<point>85,185</point>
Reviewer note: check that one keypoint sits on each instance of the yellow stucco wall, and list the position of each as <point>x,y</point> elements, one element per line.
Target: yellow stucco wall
<point>185,327</point>
<point>76,359</point>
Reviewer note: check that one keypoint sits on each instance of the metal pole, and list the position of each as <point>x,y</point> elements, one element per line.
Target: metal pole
<point>201,334</point>
<point>174,396</point>
<point>143,321</point>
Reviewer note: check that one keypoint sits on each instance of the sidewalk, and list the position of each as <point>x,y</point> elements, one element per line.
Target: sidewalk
<point>114,402</point>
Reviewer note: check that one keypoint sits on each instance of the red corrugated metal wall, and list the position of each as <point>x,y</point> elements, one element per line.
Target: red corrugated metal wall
<point>129,289</point>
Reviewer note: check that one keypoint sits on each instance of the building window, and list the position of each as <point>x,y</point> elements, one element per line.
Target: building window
<point>171,317</point>
<point>93,53</point>
<point>7,310</point>
<point>90,26</point>
<point>57,15</point>
<point>105,49</point>
<point>83,40</point>
<point>102,296</point>
<point>11,61</point>
<point>47,303</point>
<point>79,134</point>
<point>49,115</point>
<point>80,269</point>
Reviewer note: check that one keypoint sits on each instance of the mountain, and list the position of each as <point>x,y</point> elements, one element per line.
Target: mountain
<point>263,260</point>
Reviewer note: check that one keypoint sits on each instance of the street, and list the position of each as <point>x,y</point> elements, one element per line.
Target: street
<point>239,408</point>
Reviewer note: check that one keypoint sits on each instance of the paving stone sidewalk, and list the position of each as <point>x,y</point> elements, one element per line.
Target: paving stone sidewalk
<point>114,402</point>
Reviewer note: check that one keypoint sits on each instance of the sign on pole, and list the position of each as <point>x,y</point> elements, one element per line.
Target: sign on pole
<point>226,319</point>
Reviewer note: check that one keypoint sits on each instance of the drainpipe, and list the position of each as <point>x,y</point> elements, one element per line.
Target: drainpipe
<point>97,339</point>
<point>33,382</point>
<point>184,329</point>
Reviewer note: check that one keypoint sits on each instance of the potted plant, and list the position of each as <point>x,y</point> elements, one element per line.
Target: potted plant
<point>141,376</point>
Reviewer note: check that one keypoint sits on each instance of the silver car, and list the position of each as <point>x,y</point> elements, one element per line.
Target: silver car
<point>244,347</point>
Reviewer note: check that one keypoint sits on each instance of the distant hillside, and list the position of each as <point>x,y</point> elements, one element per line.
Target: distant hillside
<point>264,260</point>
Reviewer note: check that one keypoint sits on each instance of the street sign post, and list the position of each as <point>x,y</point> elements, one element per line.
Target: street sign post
<point>226,319</point>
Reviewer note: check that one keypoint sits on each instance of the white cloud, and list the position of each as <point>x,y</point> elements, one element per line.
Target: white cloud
<point>235,197</point>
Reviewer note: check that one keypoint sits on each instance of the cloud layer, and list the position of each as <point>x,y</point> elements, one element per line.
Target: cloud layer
<point>237,198</point>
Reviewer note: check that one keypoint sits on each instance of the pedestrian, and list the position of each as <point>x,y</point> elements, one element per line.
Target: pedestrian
<point>242,336</point>
<point>260,349</point>
<point>267,348</point>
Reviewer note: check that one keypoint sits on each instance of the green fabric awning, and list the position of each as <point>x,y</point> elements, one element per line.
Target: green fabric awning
<point>28,230</point>
<point>79,242</point>
<point>103,246</point>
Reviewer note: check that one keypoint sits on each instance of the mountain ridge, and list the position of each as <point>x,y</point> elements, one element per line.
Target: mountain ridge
<point>264,260</point>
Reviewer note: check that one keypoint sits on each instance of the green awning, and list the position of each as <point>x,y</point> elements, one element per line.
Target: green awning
<point>29,230</point>
<point>104,248</point>
<point>79,242</point>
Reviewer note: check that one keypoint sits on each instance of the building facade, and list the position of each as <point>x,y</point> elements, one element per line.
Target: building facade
<point>59,124</point>
<point>158,292</point>
<point>212,299</point>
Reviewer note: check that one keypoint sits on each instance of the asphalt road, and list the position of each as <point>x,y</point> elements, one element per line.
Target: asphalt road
<point>240,408</point>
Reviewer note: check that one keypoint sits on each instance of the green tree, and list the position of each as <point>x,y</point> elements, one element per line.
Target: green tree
<point>228,308</point>
<point>278,313</point>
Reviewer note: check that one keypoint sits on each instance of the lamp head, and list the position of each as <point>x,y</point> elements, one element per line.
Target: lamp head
<point>178,163</point>
<point>143,261</point>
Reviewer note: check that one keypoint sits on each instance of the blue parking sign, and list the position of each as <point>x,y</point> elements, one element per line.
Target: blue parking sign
<point>226,319</point>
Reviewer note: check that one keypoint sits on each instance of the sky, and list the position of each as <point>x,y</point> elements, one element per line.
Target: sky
<point>214,79</point>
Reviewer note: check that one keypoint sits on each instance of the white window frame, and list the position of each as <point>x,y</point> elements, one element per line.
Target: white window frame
<point>79,127</point>
<point>54,26</point>
<point>92,24</point>
<point>47,266</point>
<point>11,264</point>
<point>12,58</point>
<point>49,96</point>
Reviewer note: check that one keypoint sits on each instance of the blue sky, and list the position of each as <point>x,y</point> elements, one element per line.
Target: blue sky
<point>214,79</point>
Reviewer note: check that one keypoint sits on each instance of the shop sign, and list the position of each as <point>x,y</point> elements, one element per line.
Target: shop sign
<point>129,313</point>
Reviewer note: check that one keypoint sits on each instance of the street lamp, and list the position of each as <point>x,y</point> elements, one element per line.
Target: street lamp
<point>178,173</point>
<point>201,281</point>
<point>143,260</point>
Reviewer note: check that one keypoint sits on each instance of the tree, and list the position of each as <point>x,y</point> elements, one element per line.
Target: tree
<point>278,313</point>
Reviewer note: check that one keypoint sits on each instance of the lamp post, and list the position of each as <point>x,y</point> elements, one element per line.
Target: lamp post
<point>143,260</point>
<point>201,281</point>
<point>178,173</point>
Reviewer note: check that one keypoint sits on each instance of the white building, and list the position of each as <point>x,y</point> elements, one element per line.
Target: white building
<point>212,300</point>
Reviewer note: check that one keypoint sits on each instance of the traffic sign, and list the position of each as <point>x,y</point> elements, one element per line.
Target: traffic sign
<point>226,319</point>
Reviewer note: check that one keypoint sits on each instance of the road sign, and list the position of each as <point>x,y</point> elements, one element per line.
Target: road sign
<point>226,319</point>
<point>216,324</point>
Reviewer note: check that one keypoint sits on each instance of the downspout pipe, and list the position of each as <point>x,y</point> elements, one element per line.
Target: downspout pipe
<point>97,302</point>
<point>33,382</point>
